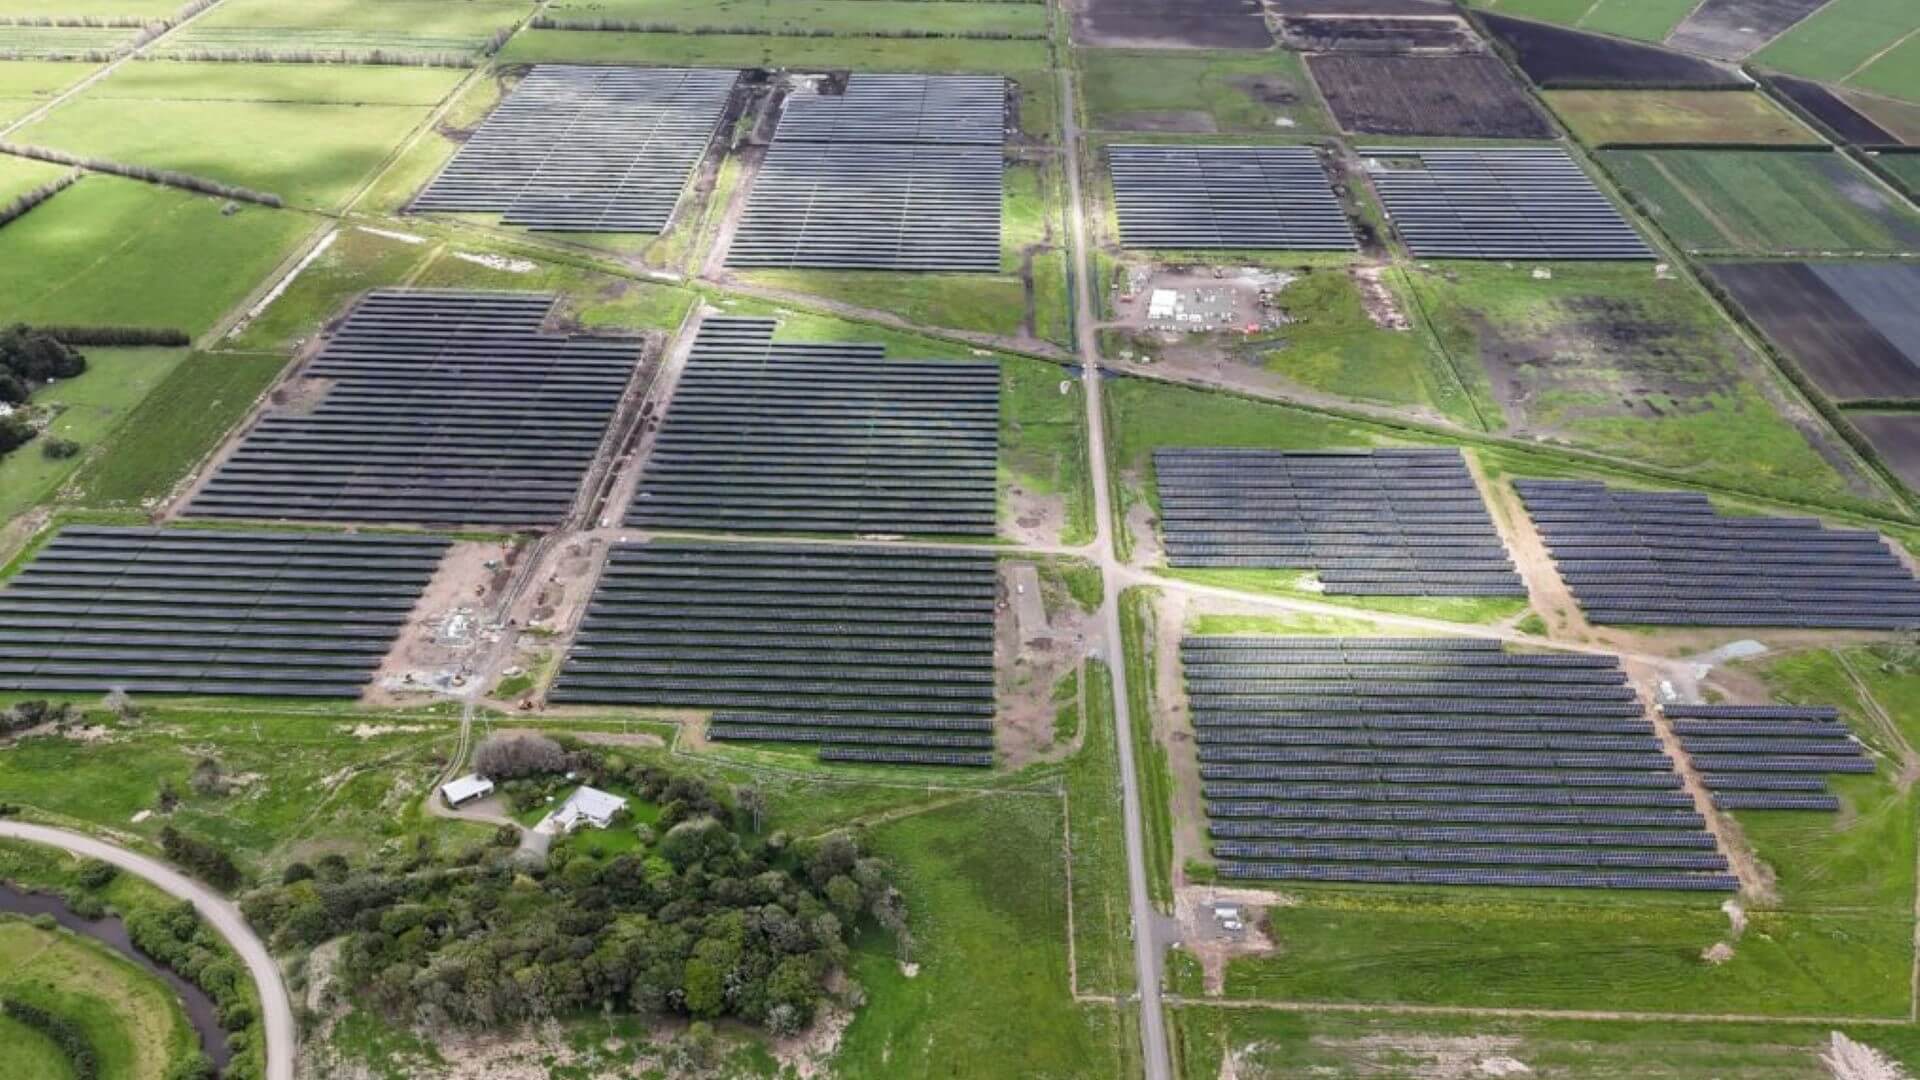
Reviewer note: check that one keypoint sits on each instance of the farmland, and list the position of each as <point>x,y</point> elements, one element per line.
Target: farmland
<point>26,84</point>
<point>1463,96</point>
<point>1848,325</point>
<point>1603,117</point>
<point>1766,202</point>
<point>92,409</point>
<point>752,50</point>
<point>1131,90</point>
<point>349,26</point>
<point>1849,41</point>
<point>851,18</point>
<point>1648,20</point>
<point>1558,57</point>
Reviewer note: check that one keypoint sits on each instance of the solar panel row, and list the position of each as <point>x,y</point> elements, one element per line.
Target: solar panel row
<point>824,648</point>
<point>1390,522</point>
<point>438,407</point>
<point>1506,203</point>
<point>191,611</point>
<point>586,149</point>
<point>1226,197</point>
<point>901,172</point>
<point>1754,754</point>
<point>1348,793</point>
<point>822,437</point>
<point>1670,558</point>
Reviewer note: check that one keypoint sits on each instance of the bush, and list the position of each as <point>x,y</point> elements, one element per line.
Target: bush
<point>296,872</point>
<point>64,1033</point>
<point>96,873</point>
<point>58,449</point>
<point>213,865</point>
<point>130,336</point>
<point>512,757</point>
<point>34,356</point>
<point>15,432</point>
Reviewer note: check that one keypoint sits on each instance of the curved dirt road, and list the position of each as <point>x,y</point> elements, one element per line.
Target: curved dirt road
<point>275,1006</point>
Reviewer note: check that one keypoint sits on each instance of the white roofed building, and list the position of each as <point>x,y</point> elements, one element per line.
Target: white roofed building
<point>586,806</point>
<point>465,789</point>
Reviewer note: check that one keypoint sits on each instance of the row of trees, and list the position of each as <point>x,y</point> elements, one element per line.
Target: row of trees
<point>706,919</point>
<point>62,1032</point>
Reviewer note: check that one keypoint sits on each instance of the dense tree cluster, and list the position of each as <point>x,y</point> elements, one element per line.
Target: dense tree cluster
<point>62,1032</point>
<point>177,938</point>
<point>29,357</point>
<point>704,919</point>
<point>513,757</point>
<point>209,863</point>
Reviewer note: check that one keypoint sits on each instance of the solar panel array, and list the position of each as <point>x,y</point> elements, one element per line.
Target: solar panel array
<point>1668,558</point>
<point>874,654</point>
<point>1511,203</point>
<point>1436,761</point>
<point>901,172</point>
<point>586,149</point>
<point>822,437</point>
<point>441,407</point>
<point>192,611</point>
<point>1385,523</point>
<point>1768,757</point>
<point>1245,197</point>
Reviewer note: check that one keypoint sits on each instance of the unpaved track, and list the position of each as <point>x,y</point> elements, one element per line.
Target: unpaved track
<point>220,913</point>
<point>1146,947</point>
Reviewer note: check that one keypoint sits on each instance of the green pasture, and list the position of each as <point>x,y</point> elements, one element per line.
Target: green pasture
<point>172,429</point>
<point>90,408</point>
<point>1766,203</point>
<point>1149,90</point>
<point>26,1052</point>
<point>1599,117</point>
<point>21,175</point>
<point>310,153</point>
<point>132,1020</point>
<point>1648,20</point>
<point>846,17</point>
<point>25,85</point>
<point>1841,41</point>
<point>109,251</point>
<point>302,84</point>
<point>1905,168</point>
<point>93,9</point>
<point>356,261</point>
<point>56,42</point>
<point>957,55</point>
<point>405,26</point>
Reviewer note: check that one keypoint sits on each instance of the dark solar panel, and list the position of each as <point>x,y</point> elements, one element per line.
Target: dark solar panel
<point>586,149</point>
<point>191,611</point>
<point>1509,203</point>
<point>822,437</point>
<point>438,407</point>
<point>1247,197</point>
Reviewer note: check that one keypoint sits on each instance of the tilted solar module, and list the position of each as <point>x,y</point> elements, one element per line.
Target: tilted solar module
<point>1670,558</point>
<point>193,611</point>
<point>586,149</point>
<point>1389,522</point>
<point>823,644</point>
<point>1432,760</point>
<point>898,172</point>
<point>1498,203</point>
<point>766,436</point>
<point>1226,197</point>
<point>452,407</point>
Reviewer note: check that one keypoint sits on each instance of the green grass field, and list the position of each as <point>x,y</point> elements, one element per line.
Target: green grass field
<point>1836,42</point>
<point>172,429</point>
<point>132,1019</point>
<point>404,26</point>
<point>26,1052</point>
<point>752,50</point>
<point>98,9</point>
<point>61,42</point>
<point>310,148</point>
<point>848,17</point>
<point>1648,20</point>
<point>1905,168</point>
<point>1145,90</point>
<point>120,252</point>
<point>21,175</point>
<point>1600,117</point>
<point>1760,202</point>
<point>1896,73</point>
<point>357,260</point>
<point>92,407</point>
<point>1043,441</point>
<point>27,84</point>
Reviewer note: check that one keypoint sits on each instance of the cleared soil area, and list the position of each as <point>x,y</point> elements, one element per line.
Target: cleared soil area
<point>1830,109</point>
<point>1839,347</point>
<point>1902,118</point>
<point>1359,7</point>
<point>1344,33</point>
<point>1607,117</point>
<point>1554,56</point>
<point>1733,29</point>
<point>1896,438</point>
<point>1466,96</point>
<point>1171,24</point>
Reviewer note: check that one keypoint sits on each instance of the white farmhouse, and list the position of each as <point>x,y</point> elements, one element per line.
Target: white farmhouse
<point>586,806</point>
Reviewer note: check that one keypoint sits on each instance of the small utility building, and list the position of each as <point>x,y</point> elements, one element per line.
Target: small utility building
<point>466,789</point>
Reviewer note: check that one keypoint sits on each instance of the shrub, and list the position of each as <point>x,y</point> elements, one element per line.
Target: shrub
<point>296,872</point>
<point>59,449</point>
<point>512,757</point>
<point>14,432</point>
<point>37,196</point>
<point>117,335</point>
<point>62,1032</point>
<point>213,865</point>
<point>96,873</point>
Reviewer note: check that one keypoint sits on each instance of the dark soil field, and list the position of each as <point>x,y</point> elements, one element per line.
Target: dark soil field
<point>1171,24</point>
<point>1468,96</point>
<point>1896,438</point>
<point>1850,326</point>
<point>1553,56</point>
<point>1827,107</point>
<point>1359,7</point>
<point>1732,29</point>
<point>1320,33</point>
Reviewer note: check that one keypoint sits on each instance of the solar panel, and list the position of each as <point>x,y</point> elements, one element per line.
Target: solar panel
<point>1226,197</point>
<point>281,614</point>
<point>1668,558</point>
<point>437,407</point>
<point>898,172</point>
<point>822,437</point>
<point>1505,203</point>
<point>586,149</point>
<point>1366,523</point>
<point>786,645</point>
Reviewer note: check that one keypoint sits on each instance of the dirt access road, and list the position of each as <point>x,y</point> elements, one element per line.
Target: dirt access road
<point>225,918</point>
